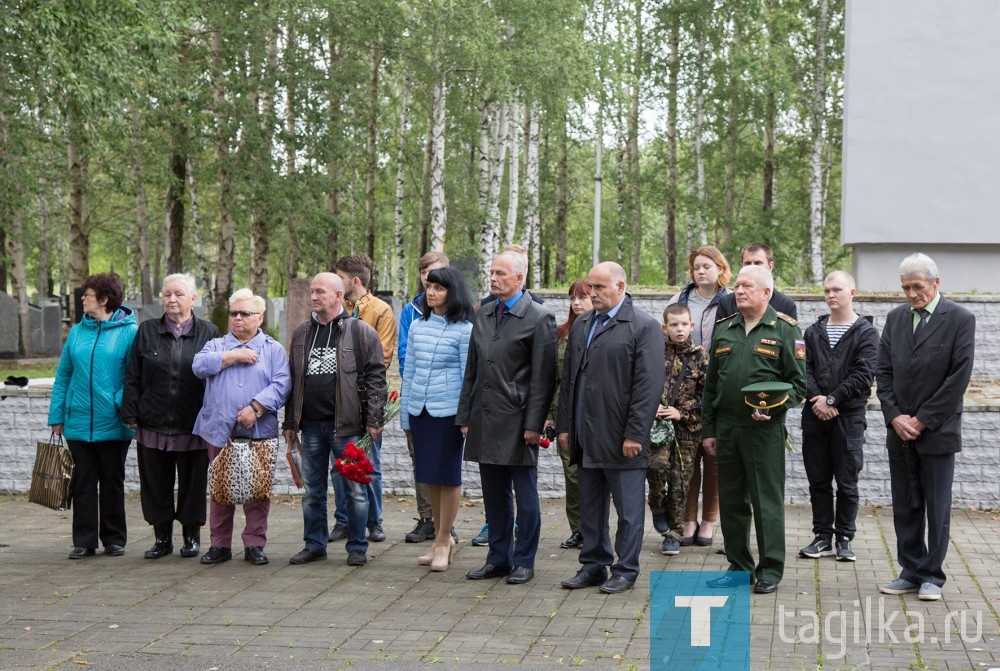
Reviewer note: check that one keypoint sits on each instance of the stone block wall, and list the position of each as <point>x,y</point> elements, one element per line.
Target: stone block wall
<point>23,416</point>
<point>811,306</point>
<point>23,421</point>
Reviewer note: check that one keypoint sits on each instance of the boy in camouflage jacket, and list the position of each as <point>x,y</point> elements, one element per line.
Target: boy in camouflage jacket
<point>671,462</point>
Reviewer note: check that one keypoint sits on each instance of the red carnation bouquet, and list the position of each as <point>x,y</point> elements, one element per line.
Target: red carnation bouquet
<point>390,413</point>
<point>355,465</point>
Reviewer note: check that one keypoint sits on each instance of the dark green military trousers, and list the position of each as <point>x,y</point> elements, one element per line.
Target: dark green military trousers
<point>751,466</point>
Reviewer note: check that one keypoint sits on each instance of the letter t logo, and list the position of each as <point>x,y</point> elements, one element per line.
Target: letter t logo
<point>701,616</point>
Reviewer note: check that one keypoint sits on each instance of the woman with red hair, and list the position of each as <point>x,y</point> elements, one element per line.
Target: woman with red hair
<point>579,303</point>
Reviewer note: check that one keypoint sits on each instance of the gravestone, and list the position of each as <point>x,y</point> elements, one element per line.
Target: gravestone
<point>298,306</point>
<point>51,331</point>
<point>9,327</point>
<point>272,314</point>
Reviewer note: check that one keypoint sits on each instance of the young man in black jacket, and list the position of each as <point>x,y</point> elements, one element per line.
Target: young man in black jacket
<point>841,351</point>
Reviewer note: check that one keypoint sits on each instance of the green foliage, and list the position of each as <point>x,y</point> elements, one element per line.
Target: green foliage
<point>93,60</point>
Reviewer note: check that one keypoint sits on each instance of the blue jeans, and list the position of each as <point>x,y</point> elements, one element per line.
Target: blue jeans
<point>374,489</point>
<point>320,444</point>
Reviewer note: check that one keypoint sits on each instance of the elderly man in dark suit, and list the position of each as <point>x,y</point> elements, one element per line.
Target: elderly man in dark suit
<point>613,372</point>
<point>924,367</point>
<point>506,391</point>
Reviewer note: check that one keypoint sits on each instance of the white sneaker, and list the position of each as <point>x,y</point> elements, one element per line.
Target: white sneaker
<point>900,586</point>
<point>929,592</point>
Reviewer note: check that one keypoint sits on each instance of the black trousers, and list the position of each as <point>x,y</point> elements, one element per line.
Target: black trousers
<point>922,556</point>
<point>833,450</point>
<point>157,469</point>
<point>99,492</point>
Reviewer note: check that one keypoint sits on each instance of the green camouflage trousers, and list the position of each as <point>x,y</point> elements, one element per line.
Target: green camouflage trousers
<point>669,474</point>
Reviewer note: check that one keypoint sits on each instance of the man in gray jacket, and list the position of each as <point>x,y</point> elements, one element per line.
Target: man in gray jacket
<point>611,386</point>
<point>506,391</point>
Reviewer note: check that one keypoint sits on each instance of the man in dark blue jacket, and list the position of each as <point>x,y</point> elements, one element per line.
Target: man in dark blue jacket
<point>841,349</point>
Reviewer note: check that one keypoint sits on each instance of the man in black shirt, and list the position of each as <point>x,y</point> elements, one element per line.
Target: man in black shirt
<point>841,350</point>
<point>758,254</point>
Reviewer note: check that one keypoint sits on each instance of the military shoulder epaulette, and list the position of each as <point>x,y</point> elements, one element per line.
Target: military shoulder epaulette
<point>722,319</point>
<point>785,318</point>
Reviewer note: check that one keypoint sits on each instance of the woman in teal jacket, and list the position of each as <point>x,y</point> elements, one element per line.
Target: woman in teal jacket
<point>85,407</point>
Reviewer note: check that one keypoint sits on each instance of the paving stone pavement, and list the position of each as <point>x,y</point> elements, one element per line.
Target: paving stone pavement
<point>173,613</point>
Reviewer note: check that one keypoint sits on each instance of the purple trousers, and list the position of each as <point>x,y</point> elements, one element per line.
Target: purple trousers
<point>221,519</point>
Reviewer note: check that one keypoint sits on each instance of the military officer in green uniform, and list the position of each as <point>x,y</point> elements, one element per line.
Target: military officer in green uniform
<point>756,345</point>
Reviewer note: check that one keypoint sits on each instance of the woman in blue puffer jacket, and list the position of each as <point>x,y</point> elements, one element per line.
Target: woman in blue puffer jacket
<point>85,407</point>
<point>437,347</point>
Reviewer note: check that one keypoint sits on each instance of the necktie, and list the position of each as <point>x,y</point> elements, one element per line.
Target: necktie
<point>602,321</point>
<point>501,309</point>
<point>924,314</point>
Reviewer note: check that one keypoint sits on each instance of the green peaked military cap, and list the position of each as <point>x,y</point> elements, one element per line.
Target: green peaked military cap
<point>766,395</point>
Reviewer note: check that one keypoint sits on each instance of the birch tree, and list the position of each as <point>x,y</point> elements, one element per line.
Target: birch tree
<point>404,130</point>
<point>518,133</point>
<point>439,207</point>
<point>817,110</point>
<point>532,220</point>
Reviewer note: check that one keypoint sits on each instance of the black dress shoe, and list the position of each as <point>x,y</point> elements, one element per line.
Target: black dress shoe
<point>307,555</point>
<point>574,541</point>
<point>255,555</point>
<point>80,553</point>
<point>765,587</point>
<point>216,555</point>
<point>192,546</point>
<point>585,578</point>
<point>616,584</point>
<point>520,575</point>
<point>192,540</point>
<point>488,571</point>
<point>161,548</point>
<point>114,550</point>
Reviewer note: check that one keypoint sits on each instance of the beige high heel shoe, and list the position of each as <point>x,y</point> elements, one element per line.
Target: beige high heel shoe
<point>442,556</point>
<point>425,560</point>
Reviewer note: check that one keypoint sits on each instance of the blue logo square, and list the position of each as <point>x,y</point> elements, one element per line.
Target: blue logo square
<point>696,623</point>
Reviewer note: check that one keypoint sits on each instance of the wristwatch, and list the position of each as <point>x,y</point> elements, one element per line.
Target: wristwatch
<point>830,401</point>
<point>260,412</point>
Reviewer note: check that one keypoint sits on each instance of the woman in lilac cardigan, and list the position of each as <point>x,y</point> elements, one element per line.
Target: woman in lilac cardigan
<point>247,381</point>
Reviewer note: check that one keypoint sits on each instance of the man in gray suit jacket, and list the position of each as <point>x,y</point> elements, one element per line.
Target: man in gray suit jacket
<point>924,367</point>
<point>506,392</point>
<point>611,386</point>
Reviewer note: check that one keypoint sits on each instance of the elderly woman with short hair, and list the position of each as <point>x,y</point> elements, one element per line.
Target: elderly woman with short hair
<point>162,400</point>
<point>86,398</point>
<point>247,382</point>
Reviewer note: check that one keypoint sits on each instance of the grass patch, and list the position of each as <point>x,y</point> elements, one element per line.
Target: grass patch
<point>29,368</point>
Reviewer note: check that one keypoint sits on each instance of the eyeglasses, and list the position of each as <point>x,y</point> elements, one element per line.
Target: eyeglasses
<point>89,294</point>
<point>241,313</point>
